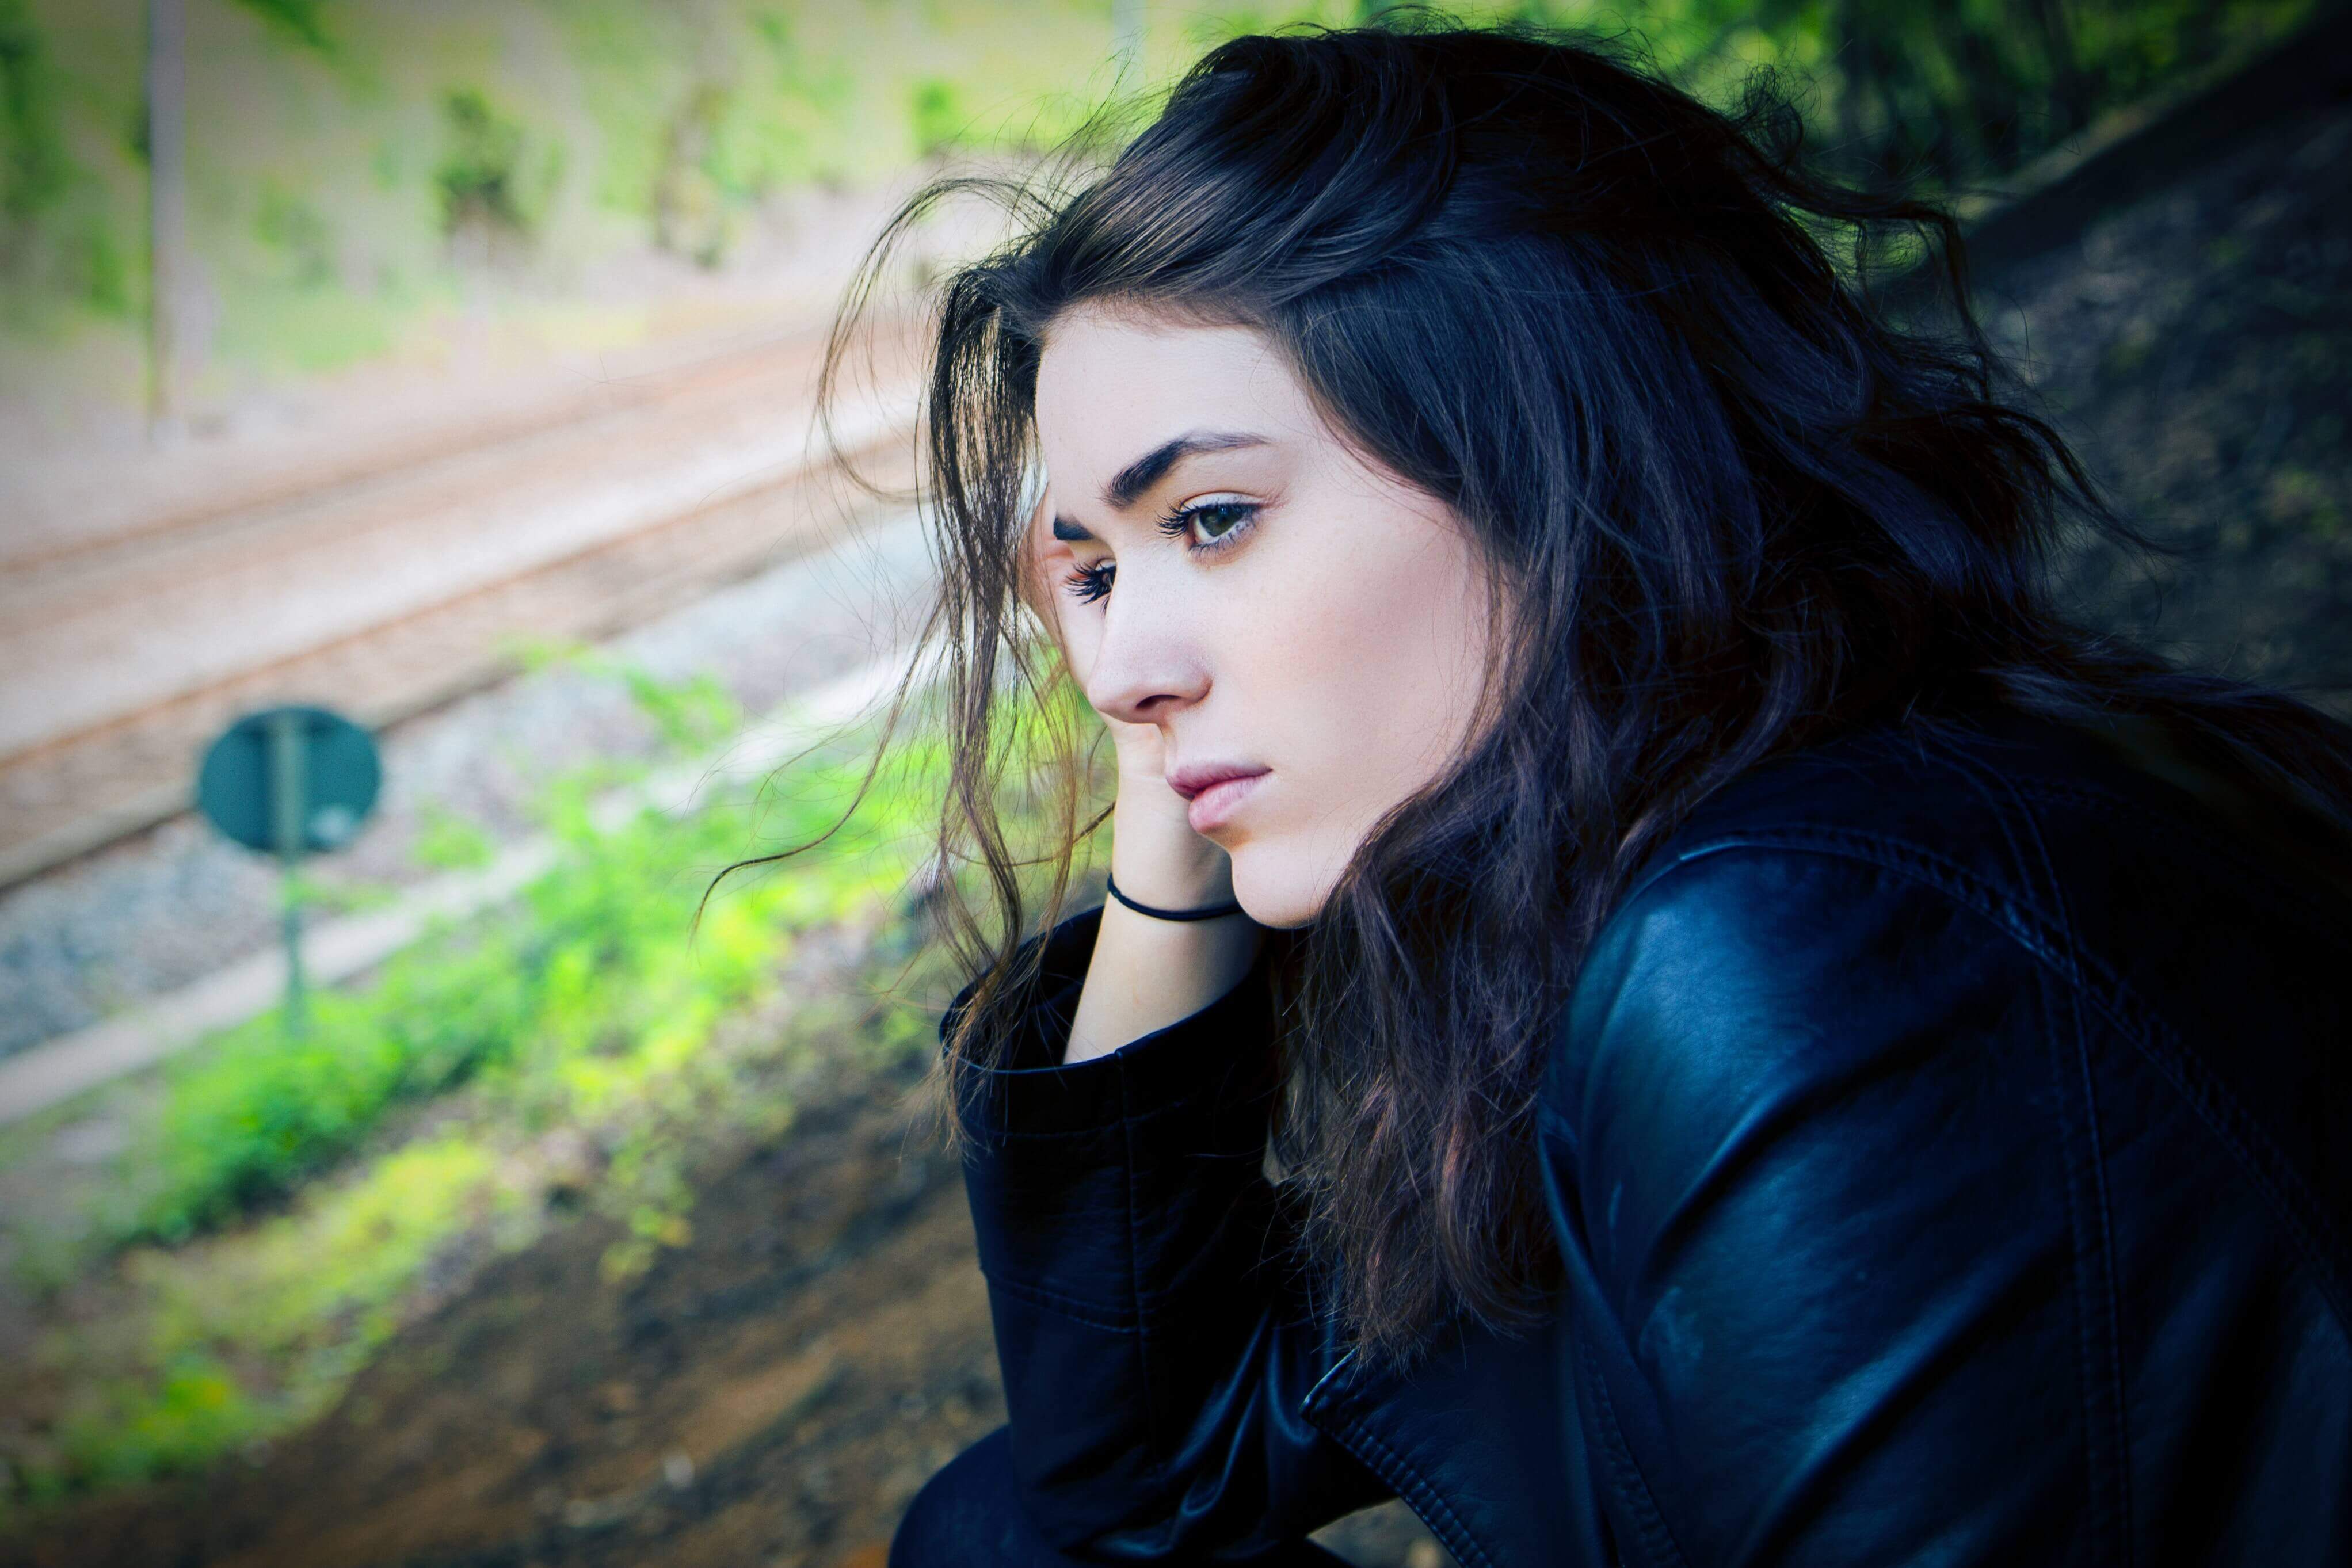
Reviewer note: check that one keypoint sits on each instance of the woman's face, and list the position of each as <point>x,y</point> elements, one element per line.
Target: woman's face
<point>1265,597</point>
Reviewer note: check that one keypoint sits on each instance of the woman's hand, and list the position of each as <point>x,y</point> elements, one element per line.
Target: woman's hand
<point>1145,973</point>
<point>1155,854</point>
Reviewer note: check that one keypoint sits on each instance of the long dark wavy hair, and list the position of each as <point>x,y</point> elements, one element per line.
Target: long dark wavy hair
<point>1738,506</point>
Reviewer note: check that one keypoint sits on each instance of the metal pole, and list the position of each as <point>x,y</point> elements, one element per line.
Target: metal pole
<point>167,209</point>
<point>287,808</point>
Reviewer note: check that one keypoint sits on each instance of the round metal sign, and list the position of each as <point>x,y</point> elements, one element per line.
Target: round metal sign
<point>290,781</point>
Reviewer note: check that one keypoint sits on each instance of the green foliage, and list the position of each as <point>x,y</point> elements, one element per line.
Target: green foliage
<point>448,841</point>
<point>480,177</point>
<point>563,996</point>
<point>304,21</point>
<point>596,1013</point>
<point>691,715</point>
<point>34,169</point>
<point>940,123</point>
<point>105,274</point>
<point>297,231</point>
<point>328,196</point>
<point>1951,95</point>
<point>268,1105</point>
<point>690,203</point>
<point>313,1293</point>
<point>594,1007</point>
<point>130,1431</point>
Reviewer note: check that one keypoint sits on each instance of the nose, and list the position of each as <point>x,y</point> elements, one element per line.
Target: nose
<point>1148,664</point>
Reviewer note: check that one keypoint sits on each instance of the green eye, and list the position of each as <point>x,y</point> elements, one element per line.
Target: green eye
<point>1219,520</point>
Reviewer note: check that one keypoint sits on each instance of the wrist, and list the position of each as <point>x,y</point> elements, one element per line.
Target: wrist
<point>1222,910</point>
<point>1159,859</point>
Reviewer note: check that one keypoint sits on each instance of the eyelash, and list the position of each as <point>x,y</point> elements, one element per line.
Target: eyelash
<point>1088,584</point>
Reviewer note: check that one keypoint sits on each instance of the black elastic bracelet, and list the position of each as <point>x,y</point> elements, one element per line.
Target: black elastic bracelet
<point>1208,914</point>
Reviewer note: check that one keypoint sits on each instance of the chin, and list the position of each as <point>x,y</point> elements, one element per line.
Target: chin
<point>1273,892</point>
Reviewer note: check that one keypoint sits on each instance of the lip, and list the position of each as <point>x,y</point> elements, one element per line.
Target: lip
<point>1214,790</point>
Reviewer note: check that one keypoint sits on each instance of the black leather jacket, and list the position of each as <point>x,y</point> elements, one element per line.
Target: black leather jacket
<point>1950,1146</point>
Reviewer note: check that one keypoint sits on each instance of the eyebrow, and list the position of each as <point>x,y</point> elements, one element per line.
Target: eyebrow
<point>1129,484</point>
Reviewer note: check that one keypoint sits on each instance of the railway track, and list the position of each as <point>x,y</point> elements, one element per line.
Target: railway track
<point>391,585</point>
<point>62,521</point>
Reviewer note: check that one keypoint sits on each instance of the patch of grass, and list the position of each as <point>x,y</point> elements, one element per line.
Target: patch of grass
<point>294,1196</point>
<point>568,996</point>
<point>312,1293</point>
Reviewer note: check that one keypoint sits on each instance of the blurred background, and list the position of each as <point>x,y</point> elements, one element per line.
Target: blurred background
<point>447,364</point>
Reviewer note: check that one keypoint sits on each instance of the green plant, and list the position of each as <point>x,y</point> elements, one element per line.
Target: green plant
<point>292,1207</point>
<point>593,965</point>
<point>297,231</point>
<point>304,21</point>
<point>692,714</point>
<point>34,171</point>
<point>480,177</point>
<point>448,841</point>
<point>939,124</point>
<point>311,1292</point>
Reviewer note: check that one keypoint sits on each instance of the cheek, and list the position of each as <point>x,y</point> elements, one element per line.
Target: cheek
<point>1362,673</point>
<point>1397,649</point>
<point>1366,664</point>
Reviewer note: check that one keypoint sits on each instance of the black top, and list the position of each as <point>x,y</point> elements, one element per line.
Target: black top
<point>1946,1142</point>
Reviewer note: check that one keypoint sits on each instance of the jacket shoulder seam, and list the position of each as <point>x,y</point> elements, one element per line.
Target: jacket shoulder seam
<point>2311,1231</point>
<point>1064,1306</point>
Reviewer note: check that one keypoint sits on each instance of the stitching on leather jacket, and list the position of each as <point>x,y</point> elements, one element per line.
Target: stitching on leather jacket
<point>2307,1224</point>
<point>1425,1500</point>
<point>2309,1227</point>
<point>1077,1312</point>
<point>1658,1542</point>
<point>2041,900</point>
<point>1106,1130</point>
<point>2097,1365</point>
<point>2099,1317</point>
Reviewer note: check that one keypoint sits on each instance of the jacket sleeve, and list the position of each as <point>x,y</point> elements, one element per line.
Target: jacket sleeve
<point>1154,1345</point>
<point>1818,1153</point>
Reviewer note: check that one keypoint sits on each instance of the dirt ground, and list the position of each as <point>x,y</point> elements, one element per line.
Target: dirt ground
<point>774,1392</point>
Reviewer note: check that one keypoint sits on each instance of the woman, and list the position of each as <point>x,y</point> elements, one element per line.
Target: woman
<point>1659,1001</point>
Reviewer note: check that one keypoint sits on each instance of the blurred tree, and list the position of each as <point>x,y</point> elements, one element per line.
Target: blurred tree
<point>33,167</point>
<point>1952,92</point>
<point>1961,91</point>
<point>480,176</point>
<point>294,229</point>
<point>587,127</point>
<point>690,216</point>
<point>304,21</point>
<point>939,122</point>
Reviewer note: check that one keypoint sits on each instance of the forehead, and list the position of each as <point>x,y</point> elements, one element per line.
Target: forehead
<point>1113,384</point>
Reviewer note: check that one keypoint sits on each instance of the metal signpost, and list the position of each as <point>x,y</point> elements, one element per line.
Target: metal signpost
<point>290,781</point>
